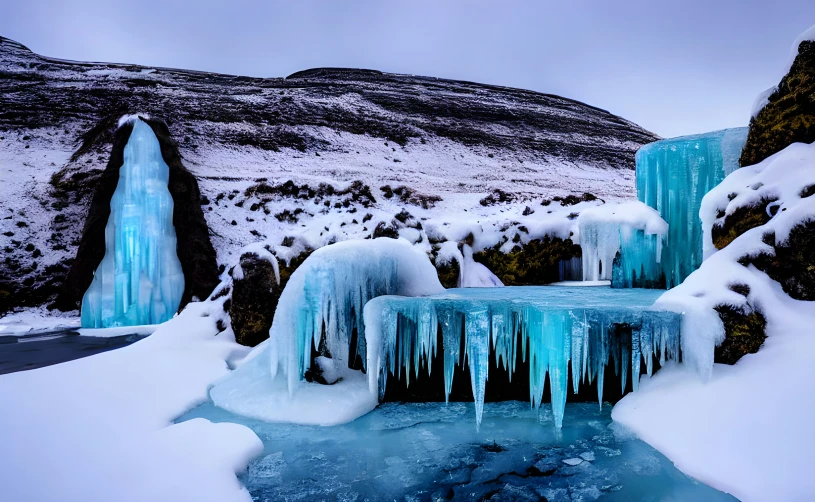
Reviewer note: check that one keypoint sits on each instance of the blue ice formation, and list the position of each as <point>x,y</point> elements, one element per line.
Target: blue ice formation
<point>325,296</point>
<point>561,328</point>
<point>140,280</point>
<point>673,175</point>
<point>630,229</point>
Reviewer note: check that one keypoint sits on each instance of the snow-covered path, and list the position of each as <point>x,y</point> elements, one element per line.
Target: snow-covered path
<point>101,428</point>
<point>748,431</point>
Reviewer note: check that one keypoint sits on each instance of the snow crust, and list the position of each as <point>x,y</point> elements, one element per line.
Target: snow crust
<point>746,431</point>
<point>101,428</point>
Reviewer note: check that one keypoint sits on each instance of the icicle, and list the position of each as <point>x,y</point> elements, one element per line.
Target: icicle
<point>476,341</point>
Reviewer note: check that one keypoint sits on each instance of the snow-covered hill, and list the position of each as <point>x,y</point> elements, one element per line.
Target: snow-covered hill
<point>469,158</point>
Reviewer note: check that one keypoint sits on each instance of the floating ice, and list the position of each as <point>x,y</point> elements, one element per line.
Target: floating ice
<point>673,175</point>
<point>631,226</point>
<point>558,327</point>
<point>140,280</point>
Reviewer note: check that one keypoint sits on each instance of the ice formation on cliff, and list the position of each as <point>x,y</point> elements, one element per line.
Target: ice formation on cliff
<point>673,175</point>
<point>140,280</point>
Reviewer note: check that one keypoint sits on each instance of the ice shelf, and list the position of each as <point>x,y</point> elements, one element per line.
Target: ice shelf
<point>140,280</point>
<point>560,328</point>
<point>673,175</point>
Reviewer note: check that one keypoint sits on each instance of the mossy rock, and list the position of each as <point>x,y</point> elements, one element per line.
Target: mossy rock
<point>448,274</point>
<point>789,116</point>
<point>793,263</point>
<point>744,333</point>
<point>741,220</point>
<point>255,297</point>
<point>534,263</point>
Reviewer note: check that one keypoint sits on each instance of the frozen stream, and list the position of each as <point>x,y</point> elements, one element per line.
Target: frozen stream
<point>431,451</point>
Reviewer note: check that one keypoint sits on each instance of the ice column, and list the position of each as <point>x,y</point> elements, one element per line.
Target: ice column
<point>673,175</point>
<point>140,280</point>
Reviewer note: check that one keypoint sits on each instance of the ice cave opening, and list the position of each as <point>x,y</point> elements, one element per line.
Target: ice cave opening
<point>140,280</point>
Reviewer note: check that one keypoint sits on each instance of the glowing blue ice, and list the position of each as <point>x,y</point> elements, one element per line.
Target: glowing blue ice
<point>673,175</point>
<point>140,280</point>
<point>585,327</point>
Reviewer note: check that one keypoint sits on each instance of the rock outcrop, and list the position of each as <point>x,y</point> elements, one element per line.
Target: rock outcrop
<point>789,115</point>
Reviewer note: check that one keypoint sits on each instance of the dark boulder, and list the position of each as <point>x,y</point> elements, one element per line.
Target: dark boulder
<point>789,116</point>
<point>254,298</point>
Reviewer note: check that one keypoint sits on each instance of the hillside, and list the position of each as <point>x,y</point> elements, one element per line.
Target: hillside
<point>469,157</point>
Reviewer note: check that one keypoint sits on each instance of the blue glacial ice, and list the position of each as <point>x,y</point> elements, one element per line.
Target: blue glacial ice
<point>140,280</point>
<point>631,228</point>
<point>561,329</point>
<point>673,175</point>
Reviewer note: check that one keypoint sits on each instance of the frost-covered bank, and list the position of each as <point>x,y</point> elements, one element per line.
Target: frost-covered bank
<point>101,428</point>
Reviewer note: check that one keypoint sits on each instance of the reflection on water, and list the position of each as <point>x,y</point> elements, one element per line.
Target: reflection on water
<point>18,353</point>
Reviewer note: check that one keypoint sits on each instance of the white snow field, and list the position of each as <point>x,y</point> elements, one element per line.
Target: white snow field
<point>747,430</point>
<point>101,428</point>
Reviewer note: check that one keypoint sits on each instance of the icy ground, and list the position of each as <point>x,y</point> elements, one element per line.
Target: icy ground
<point>421,451</point>
<point>101,428</point>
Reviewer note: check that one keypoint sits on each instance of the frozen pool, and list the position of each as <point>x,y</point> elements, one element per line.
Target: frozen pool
<point>431,451</point>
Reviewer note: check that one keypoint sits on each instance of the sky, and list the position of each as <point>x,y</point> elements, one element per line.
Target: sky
<point>678,67</point>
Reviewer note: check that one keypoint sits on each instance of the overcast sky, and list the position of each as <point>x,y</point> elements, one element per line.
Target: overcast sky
<point>676,67</point>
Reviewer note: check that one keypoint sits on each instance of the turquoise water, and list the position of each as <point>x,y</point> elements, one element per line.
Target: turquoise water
<point>430,451</point>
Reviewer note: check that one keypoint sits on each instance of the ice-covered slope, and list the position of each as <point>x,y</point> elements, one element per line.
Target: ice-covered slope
<point>451,143</point>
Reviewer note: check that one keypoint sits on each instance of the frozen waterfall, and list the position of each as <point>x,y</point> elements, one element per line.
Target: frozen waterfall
<point>673,175</point>
<point>561,329</point>
<point>139,280</point>
<point>632,227</point>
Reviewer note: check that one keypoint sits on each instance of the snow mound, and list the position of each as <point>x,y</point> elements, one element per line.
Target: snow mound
<point>102,426</point>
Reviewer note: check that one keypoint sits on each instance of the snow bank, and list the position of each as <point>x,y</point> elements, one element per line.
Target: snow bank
<point>747,431</point>
<point>603,229</point>
<point>101,428</point>
<point>327,291</point>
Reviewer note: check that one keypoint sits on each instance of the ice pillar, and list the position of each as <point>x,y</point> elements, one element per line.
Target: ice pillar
<point>140,280</point>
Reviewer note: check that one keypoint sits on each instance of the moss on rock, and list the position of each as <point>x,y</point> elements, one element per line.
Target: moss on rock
<point>534,263</point>
<point>744,333</point>
<point>789,116</point>
<point>741,220</point>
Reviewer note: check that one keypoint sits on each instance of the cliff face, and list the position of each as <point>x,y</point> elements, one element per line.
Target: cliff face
<point>789,115</point>
<point>276,156</point>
